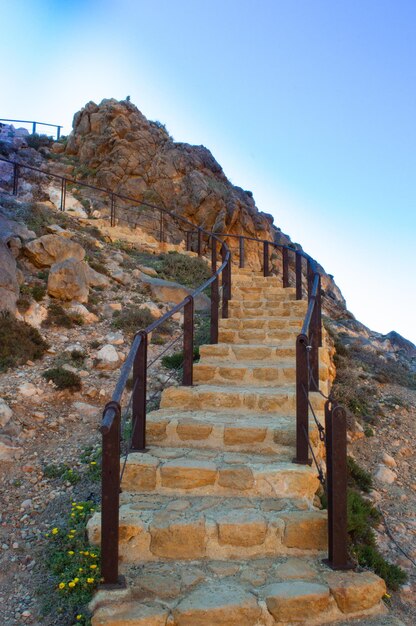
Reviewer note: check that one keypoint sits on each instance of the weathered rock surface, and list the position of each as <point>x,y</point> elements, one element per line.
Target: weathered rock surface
<point>50,249</point>
<point>67,280</point>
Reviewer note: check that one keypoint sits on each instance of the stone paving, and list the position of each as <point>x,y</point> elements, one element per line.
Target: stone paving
<point>217,526</point>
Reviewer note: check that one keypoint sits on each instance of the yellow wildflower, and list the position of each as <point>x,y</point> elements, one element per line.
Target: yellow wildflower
<point>86,553</point>
<point>71,584</point>
<point>76,580</point>
<point>79,617</point>
<point>61,585</point>
<point>81,569</point>
<point>71,552</point>
<point>90,580</point>
<point>93,566</point>
<point>79,507</point>
<point>93,463</point>
<point>55,531</point>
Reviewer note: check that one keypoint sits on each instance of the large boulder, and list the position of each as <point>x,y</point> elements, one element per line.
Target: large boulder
<point>9,286</point>
<point>68,280</point>
<point>50,249</point>
<point>11,235</point>
<point>169,291</point>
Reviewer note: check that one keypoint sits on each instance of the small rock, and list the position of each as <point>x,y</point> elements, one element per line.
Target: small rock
<point>5,413</point>
<point>116,339</point>
<point>26,504</point>
<point>385,475</point>
<point>85,410</point>
<point>27,390</point>
<point>388,460</point>
<point>107,357</point>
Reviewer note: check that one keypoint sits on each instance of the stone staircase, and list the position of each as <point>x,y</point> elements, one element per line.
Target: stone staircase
<point>217,526</point>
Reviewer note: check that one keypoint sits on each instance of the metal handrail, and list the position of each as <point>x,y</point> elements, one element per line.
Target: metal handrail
<point>307,369</point>
<point>34,124</point>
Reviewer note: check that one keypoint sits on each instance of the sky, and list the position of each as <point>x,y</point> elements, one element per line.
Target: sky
<point>310,104</point>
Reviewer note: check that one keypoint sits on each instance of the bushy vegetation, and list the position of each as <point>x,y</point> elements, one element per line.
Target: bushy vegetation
<point>37,141</point>
<point>363,517</point>
<point>19,342</point>
<point>131,319</point>
<point>189,271</point>
<point>73,567</point>
<point>57,316</point>
<point>63,378</point>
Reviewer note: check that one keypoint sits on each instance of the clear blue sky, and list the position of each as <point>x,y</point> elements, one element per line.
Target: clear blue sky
<point>309,104</point>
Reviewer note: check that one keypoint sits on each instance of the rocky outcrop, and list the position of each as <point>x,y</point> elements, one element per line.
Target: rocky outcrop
<point>68,281</point>
<point>12,234</point>
<point>50,249</point>
<point>131,155</point>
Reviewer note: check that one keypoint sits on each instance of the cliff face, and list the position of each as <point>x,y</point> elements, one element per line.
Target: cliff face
<point>116,147</point>
<point>136,157</point>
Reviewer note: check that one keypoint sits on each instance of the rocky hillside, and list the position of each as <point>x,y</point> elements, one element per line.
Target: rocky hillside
<point>80,283</point>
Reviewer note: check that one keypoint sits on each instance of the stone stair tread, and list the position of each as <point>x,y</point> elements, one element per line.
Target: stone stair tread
<point>277,400</point>
<point>203,471</point>
<point>185,528</point>
<point>283,590</point>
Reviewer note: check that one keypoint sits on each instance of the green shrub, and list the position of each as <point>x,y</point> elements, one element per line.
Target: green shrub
<point>23,303</point>
<point>72,566</point>
<point>38,292</point>
<point>132,319</point>
<point>78,357</point>
<point>38,141</point>
<point>175,361</point>
<point>19,342</point>
<point>63,379</point>
<point>57,316</point>
<point>189,271</point>
<point>61,471</point>
<point>362,517</point>
<point>358,476</point>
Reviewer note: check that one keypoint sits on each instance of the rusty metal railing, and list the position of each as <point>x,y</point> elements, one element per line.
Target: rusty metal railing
<point>34,125</point>
<point>297,269</point>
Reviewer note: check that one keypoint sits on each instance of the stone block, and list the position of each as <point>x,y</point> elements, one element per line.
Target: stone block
<point>181,540</point>
<point>239,478</point>
<point>190,429</point>
<point>306,530</point>
<point>238,435</point>
<point>188,474</point>
<point>355,591</point>
<point>296,601</point>
<point>242,528</point>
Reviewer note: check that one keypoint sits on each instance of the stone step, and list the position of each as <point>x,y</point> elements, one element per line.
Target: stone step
<point>270,294</point>
<point>266,323</point>
<point>279,309</point>
<point>248,352</point>
<point>263,374</point>
<point>246,432</point>
<point>282,590</point>
<point>279,402</point>
<point>283,307</point>
<point>189,528</point>
<point>205,472</point>
<point>257,335</point>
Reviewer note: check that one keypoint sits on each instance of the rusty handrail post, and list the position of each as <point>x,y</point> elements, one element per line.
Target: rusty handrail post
<point>138,439</point>
<point>302,420</point>
<point>199,248</point>
<point>266,258</point>
<point>241,252</point>
<point>285,259</point>
<point>63,194</point>
<point>110,497</point>
<point>298,264</point>
<point>188,342</point>
<point>336,481</point>
<point>215,296</point>
<point>225,284</point>
<point>15,178</point>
